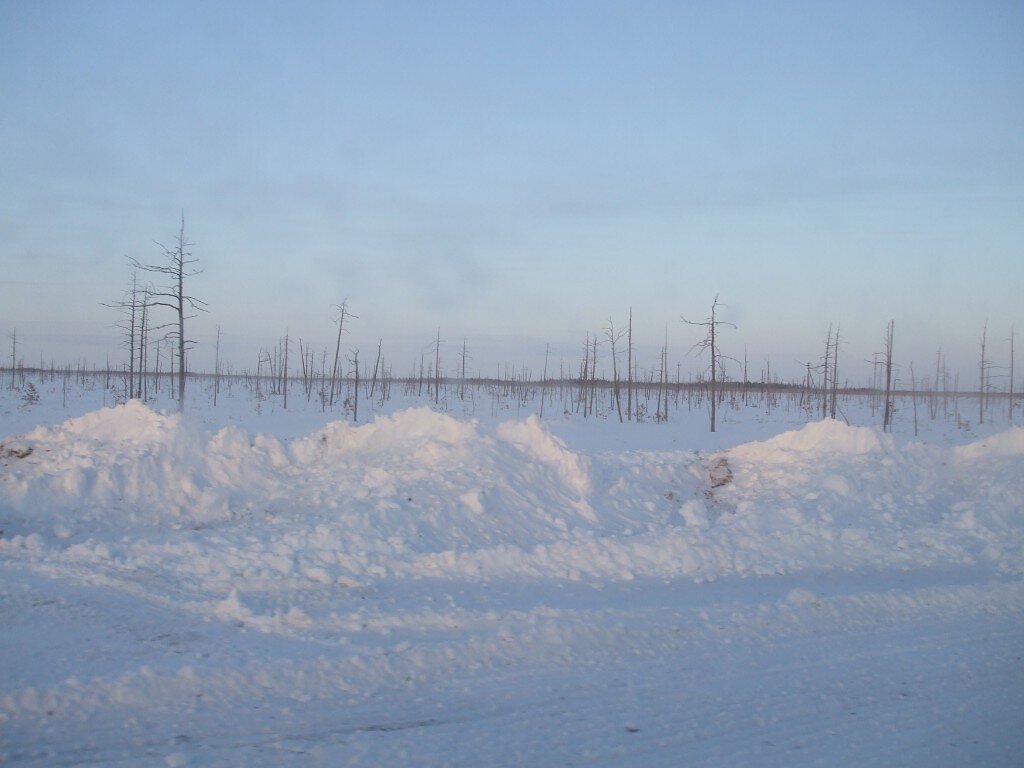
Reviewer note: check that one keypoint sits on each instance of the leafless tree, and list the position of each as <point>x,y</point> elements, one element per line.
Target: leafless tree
<point>629,367</point>
<point>710,343</point>
<point>284,371</point>
<point>14,355</point>
<point>1011,376</point>
<point>890,406</point>
<point>376,368</point>
<point>133,306</point>
<point>661,409</point>
<point>335,371</point>
<point>614,337</point>
<point>355,367</point>
<point>913,395</point>
<point>463,356</point>
<point>437,370</point>
<point>216,368</point>
<point>835,374</point>
<point>984,367</point>
<point>178,266</point>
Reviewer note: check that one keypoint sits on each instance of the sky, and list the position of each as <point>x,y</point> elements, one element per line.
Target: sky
<point>517,174</point>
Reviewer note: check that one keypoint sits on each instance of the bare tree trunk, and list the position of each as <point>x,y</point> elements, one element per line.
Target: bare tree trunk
<point>437,368</point>
<point>982,369</point>
<point>355,401</point>
<point>14,354</point>
<point>889,404</point>
<point>1011,376</point>
<point>543,379</point>
<point>613,338</point>
<point>835,374</point>
<point>913,396</point>
<point>216,368</point>
<point>335,372</point>
<point>284,371</point>
<point>629,367</point>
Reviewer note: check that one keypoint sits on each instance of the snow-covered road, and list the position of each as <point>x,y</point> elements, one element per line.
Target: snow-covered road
<point>876,669</point>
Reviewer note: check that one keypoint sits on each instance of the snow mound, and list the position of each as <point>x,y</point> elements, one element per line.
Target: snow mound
<point>417,429</point>
<point>421,494</point>
<point>1007,443</point>
<point>536,442</point>
<point>128,465</point>
<point>827,436</point>
<point>132,422</point>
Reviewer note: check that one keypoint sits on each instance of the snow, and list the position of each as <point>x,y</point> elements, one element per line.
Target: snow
<point>495,589</point>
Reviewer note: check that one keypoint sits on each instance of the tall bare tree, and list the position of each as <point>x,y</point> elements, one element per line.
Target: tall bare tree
<point>134,322</point>
<point>614,337</point>
<point>14,355</point>
<point>890,405</point>
<point>177,267</point>
<point>710,344</point>
<point>335,371</point>
<point>629,367</point>
<point>1011,376</point>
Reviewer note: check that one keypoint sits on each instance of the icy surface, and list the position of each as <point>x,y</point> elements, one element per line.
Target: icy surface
<point>425,590</point>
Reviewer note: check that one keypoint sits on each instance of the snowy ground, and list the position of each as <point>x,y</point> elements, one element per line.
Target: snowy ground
<point>237,587</point>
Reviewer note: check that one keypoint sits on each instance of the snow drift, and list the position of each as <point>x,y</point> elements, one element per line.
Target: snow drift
<point>420,494</point>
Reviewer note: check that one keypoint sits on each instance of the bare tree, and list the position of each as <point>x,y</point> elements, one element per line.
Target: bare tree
<point>131,305</point>
<point>543,379</point>
<point>983,369</point>
<point>284,370</point>
<point>437,370</point>
<point>1011,376</point>
<point>913,395</point>
<point>335,371</point>
<point>890,406</point>
<point>14,355</point>
<point>216,368</point>
<point>613,339</point>
<point>463,356</point>
<point>177,267</point>
<point>629,367</point>
<point>376,368</point>
<point>835,374</point>
<point>710,343</point>
<point>355,367</point>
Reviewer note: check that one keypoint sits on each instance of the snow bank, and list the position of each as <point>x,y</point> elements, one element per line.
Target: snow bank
<point>420,494</point>
<point>1007,443</point>
<point>827,436</point>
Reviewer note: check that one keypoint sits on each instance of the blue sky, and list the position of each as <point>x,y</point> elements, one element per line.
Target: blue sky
<point>517,173</point>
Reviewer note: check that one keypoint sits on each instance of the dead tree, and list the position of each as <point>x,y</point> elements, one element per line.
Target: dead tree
<point>913,395</point>
<point>710,343</point>
<point>14,355</point>
<point>890,406</point>
<point>983,368</point>
<point>342,314</point>
<point>661,409</point>
<point>825,381</point>
<point>463,356</point>
<point>629,367</point>
<point>177,267</point>
<point>543,379</point>
<point>437,369</point>
<point>131,306</point>
<point>355,367</point>
<point>1011,376</point>
<point>835,374</point>
<point>376,368</point>
<point>284,371</point>
<point>216,368</point>
<point>613,338</point>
